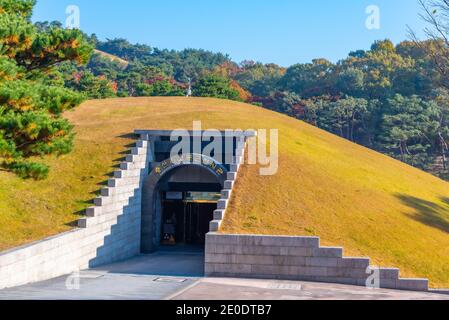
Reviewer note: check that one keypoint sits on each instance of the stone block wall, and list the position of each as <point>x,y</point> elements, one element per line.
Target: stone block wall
<point>295,258</point>
<point>110,231</point>
<point>226,193</point>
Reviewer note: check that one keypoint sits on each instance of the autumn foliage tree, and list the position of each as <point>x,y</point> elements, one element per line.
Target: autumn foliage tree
<point>31,101</point>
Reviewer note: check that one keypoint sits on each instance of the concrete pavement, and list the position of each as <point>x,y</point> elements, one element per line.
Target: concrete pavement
<point>249,289</point>
<point>147,277</point>
<point>178,275</point>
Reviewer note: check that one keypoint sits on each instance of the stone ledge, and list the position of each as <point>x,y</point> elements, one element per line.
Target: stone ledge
<point>132,181</point>
<point>115,199</point>
<point>228,184</point>
<point>93,212</point>
<point>133,165</point>
<point>111,191</point>
<point>219,215</point>
<point>130,173</point>
<point>226,194</point>
<point>295,258</point>
<point>413,284</point>
<point>215,225</point>
<point>263,240</point>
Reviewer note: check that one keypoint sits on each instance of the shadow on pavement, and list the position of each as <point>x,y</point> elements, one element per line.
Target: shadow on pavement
<point>178,261</point>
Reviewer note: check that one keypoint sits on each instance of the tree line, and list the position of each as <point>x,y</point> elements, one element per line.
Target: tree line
<point>391,98</point>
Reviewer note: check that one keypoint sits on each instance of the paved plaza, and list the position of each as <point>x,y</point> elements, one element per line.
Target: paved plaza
<point>178,275</point>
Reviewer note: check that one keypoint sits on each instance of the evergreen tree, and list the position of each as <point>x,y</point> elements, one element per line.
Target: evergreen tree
<point>215,86</point>
<point>31,102</point>
<point>408,129</point>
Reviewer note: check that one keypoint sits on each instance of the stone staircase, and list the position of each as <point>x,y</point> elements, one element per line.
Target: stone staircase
<point>297,258</point>
<point>226,193</point>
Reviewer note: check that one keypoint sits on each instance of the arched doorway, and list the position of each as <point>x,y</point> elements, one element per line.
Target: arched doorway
<point>178,201</point>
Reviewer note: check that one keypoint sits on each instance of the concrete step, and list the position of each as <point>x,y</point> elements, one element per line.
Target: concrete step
<point>350,262</point>
<point>389,273</point>
<point>127,173</point>
<point>222,204</point>
<point>413,284</point>
<point>219,214</point>
<point>226,194</point>
<point>328,252</point>
<point>215,225</point>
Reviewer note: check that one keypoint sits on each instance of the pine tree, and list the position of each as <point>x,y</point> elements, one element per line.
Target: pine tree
<point>30,103</point>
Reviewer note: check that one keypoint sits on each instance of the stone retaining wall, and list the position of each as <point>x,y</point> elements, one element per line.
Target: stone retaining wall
<point>295,258</point>
<point>110,232</point>
<point>226,193</point>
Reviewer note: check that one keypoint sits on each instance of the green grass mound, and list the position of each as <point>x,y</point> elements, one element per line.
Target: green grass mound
<point>348,195</point>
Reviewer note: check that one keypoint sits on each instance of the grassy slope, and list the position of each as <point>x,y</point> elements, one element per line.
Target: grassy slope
<point>112,58</point>
<point>348,195</point>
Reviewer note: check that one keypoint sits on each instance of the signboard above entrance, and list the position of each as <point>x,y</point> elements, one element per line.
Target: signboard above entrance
<point>189,159</point>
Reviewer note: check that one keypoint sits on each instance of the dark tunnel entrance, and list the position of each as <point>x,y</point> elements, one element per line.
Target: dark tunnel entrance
<point>186,217</point>
<point>182,192</point>
<point>179,204</point>
<point>189,197</point>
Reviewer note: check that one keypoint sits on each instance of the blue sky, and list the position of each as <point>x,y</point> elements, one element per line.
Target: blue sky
<point>282,31</point>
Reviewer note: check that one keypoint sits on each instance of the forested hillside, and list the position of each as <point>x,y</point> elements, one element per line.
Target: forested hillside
<point>390,98</point>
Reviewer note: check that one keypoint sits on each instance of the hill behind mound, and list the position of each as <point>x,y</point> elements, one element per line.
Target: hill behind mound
<point>348,195</point>
<point>123,63</point>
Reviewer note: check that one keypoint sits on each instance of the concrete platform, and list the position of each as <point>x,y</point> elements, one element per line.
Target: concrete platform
<point>249,289</point>
<point>147,277</point>
<point>177,274</point>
